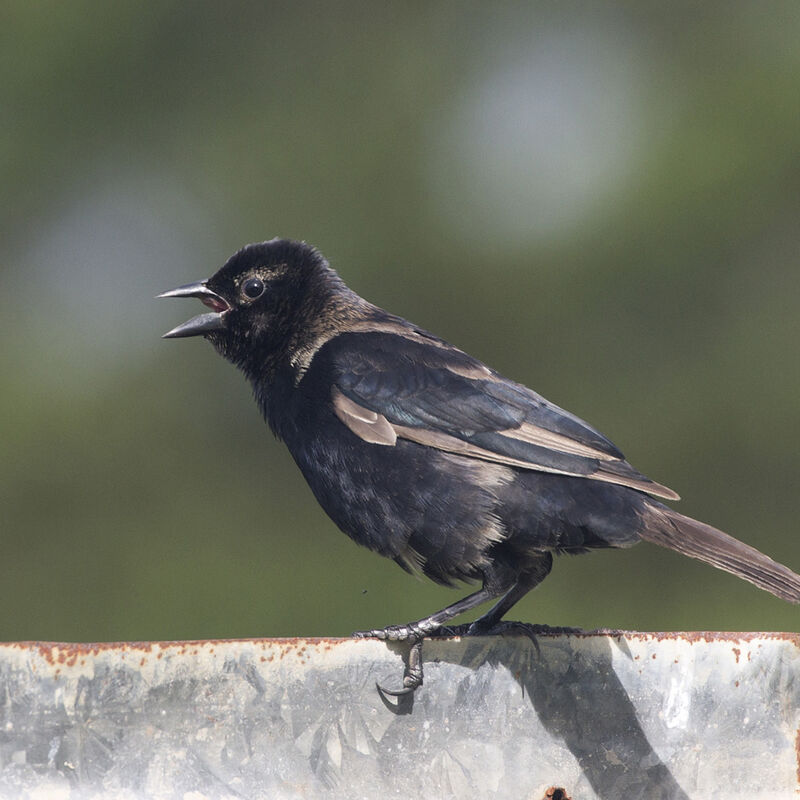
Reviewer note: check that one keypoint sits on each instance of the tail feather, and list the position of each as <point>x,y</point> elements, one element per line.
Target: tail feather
<point>668,528</point>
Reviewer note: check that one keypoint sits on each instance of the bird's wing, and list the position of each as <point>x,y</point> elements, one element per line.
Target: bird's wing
<point>397,382</point>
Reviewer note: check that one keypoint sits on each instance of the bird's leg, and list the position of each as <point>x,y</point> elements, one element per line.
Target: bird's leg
<point>531,578</point>
<point>415,632</point>
<point>491,623</point>
<point>427,625</point>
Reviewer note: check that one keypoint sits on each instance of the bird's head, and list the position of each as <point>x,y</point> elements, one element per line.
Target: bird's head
<point>267,302</point>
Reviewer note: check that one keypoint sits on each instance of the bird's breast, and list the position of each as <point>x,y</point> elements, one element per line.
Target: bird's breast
<point>403,500</point>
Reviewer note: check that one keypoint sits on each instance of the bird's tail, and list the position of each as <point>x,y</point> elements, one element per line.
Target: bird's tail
<point>668,528</point>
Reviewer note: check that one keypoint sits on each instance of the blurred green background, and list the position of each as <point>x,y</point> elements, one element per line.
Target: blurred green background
<point>600,200</point>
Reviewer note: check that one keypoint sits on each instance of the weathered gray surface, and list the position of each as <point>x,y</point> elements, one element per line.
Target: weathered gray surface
<point>623,716</point>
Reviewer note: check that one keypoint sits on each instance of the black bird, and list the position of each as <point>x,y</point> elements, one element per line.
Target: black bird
<point>427,456</point>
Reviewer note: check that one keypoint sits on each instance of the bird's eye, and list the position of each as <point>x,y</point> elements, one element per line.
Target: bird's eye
<point>253,287</point>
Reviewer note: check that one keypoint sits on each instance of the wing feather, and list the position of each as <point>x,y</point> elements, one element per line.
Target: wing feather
<point>368,425</point>
<point>390,386</point>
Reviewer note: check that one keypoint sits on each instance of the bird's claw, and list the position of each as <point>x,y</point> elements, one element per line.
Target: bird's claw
<point>412,675</point>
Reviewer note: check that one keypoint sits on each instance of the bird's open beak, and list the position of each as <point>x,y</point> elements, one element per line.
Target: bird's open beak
<point>203,322</point>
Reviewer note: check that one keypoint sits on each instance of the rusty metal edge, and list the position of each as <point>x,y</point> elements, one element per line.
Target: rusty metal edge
<point>68,652</point>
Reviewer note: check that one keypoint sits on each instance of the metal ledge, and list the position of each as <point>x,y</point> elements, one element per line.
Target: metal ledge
<point>620,715</point>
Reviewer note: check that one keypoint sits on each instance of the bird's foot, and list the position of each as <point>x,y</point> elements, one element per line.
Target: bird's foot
<point>527,628</point>
<point>413,632</point>
<point>412,675</point>
<point>478,628</point>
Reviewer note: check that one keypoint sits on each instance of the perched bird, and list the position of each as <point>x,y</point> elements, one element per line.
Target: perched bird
<point>426,455</point>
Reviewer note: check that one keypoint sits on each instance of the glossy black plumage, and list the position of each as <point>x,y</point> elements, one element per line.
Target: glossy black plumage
<point>424,454</point>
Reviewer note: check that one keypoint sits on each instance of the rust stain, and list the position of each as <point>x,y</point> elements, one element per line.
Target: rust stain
<point>46,649</point>
<point>69,654</point>
<point>328,642</point>
<point>686,636</point>
<point>797,752</point>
